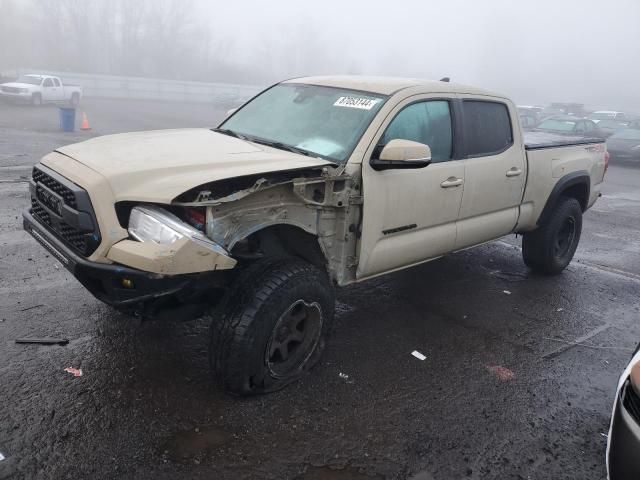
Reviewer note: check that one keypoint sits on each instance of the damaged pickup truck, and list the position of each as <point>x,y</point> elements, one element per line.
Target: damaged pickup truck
<point>314,183</point>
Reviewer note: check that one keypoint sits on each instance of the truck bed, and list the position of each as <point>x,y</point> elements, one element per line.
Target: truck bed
<point>539,140</point>
<point>553,159</point>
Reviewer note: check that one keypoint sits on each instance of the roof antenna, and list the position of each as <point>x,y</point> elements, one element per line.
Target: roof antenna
<point>445,79</point>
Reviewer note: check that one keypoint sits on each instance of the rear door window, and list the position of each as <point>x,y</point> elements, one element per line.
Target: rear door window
<point>487,128</point>
<point>56,82</point>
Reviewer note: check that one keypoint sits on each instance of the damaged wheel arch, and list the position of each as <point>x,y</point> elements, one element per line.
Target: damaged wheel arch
<point>282,240</point>
<point>311,214</point>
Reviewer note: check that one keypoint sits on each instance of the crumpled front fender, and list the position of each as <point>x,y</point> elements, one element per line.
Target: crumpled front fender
<point>182,256</point>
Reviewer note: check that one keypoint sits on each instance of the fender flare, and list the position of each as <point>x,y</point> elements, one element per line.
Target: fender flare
<point>580,178</point>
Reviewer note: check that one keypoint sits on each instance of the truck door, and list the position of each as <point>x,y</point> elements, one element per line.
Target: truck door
<point>50,91</point>
<point>495,171</point>
<point>409,216</point>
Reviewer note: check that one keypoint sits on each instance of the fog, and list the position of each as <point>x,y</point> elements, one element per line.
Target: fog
<point>538,52</point>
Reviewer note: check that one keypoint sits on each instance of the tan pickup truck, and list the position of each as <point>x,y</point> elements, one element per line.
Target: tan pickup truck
<point>314,183</point>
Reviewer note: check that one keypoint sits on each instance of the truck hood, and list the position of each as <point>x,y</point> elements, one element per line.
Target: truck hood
<point>17,85</point>
<point>157,166</point>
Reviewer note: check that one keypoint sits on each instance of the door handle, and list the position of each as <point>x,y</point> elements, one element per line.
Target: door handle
<point>514,172</point>
<point>451,182</point>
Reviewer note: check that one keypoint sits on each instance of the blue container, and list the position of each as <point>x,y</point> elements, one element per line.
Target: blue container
<point>67,119</point>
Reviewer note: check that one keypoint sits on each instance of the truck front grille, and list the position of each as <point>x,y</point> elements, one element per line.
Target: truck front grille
<point>10,90</point>
<point>40,177</point>
<point>72,236</point>
<point>65,210</point>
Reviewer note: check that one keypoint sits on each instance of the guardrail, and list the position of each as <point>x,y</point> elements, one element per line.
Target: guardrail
<point>111,86</point>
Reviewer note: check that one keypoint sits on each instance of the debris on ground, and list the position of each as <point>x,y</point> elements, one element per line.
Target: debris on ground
<point>31,308</point>
<point>418,355</point>
<point>507,292</point>
<point>76,372</point>
<point>2,457</point>
<point>501,373</point>
<point>560,310</point>
<point>44,341</point>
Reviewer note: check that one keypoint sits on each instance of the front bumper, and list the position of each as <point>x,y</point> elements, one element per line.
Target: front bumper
<point>149,291</point>
<point>16,97</point>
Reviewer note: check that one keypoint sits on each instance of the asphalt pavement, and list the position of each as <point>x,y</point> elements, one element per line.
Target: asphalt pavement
<point>517,383</point>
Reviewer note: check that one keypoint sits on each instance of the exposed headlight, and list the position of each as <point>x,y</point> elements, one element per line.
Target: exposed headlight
<point>154,224</point>
<point>635,377</point>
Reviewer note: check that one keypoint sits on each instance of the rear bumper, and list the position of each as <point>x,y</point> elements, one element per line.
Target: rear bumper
<point>149,291</point>
<point>624,441</point>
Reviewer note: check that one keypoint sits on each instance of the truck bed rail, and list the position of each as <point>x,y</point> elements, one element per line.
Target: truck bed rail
<point>540,140</point>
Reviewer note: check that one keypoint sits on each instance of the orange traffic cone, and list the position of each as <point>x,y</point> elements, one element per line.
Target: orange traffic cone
<point>85,122</point>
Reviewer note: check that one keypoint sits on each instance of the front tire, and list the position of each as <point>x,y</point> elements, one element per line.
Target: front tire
<point>550,248</point>
<point>36,99</point>
<point>272,326</point>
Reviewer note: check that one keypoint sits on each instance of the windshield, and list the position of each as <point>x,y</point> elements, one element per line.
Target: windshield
<point>559,125</point>
<point>628,134</point>
<point>602,115</point>
<point>30,79</point>
<point>323,121</point>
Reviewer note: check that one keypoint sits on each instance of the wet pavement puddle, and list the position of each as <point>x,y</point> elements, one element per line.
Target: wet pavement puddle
<point>327,473</point>
<point>190,445</point>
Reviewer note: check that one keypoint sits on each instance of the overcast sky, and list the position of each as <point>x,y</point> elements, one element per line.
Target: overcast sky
<point>535,50</point>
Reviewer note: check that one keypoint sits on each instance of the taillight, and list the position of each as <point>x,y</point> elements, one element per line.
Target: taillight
<point>196,217</point>
<point>606,161</point>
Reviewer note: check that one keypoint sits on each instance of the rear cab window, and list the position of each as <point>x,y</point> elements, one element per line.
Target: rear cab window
<point>487,128</point>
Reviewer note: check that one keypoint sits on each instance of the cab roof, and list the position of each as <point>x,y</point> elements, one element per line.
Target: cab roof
<point>388,85</point>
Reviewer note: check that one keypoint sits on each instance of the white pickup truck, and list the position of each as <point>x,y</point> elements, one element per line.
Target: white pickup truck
<point>39,89</point>
<point>314,183</point>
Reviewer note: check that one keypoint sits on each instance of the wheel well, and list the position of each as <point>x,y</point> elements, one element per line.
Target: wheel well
<point>579,191</point>
<point>574,185</point>
<point>280,240</point>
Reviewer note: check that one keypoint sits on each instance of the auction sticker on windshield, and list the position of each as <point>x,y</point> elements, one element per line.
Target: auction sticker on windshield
<point>356,102</point>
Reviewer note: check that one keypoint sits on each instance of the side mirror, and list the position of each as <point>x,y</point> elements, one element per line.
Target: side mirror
<point>231,112</point>
<point>401,153</point>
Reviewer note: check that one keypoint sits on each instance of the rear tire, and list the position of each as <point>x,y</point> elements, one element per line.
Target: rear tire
<point>550,248</point>
<point>36,99</point>
<point>75,100</point>
<point>272,326</point>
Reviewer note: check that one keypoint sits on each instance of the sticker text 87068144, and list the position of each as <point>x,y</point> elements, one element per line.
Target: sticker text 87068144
<point>356,102</point>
